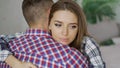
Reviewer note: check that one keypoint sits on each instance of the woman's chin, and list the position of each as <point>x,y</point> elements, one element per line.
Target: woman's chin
<point>65,43</point>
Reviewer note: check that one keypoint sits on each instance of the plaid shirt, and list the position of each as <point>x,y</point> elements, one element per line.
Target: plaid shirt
<point>4,49</point>
<point>90,49</point>
<point>38,47</point>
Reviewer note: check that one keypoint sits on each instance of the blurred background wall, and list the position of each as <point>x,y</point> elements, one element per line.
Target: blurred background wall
<point>11,19</point>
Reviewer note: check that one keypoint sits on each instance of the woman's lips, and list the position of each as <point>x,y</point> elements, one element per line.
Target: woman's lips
<point>64,39</point>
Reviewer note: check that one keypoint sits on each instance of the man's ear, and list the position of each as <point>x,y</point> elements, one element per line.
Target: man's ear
<point>48,11</point>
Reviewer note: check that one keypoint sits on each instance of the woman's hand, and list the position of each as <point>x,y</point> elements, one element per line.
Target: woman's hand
<point>15,63</point>
<point>24,65</point>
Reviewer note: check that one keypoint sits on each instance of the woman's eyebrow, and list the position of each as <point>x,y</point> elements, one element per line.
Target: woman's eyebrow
<point>73,23</point>
<point>58,21</point>
<point>69,23</point>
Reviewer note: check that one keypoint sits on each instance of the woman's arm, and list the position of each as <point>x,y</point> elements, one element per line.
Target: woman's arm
<point>93,53</point>
<point>15,63</point>
<point>4,47</point>
<point>6,55</point>
<point>4,50</point>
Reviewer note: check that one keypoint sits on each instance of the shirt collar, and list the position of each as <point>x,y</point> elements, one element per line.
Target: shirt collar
<point>37,32</point>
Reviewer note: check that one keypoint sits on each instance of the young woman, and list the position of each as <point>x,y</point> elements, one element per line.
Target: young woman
<point>67,25</point>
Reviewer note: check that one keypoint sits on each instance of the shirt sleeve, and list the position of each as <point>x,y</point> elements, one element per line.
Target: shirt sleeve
<point>4,47</point>
<point>4,50</point>
<point>4,54</point>
<point>93,52</point>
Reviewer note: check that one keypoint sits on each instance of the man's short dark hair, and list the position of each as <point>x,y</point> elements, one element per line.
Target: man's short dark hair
<point>33,10</point>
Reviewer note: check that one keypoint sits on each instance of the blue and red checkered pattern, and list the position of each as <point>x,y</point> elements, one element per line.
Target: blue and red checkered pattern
<point>38,47</point>
<point>4,65</point>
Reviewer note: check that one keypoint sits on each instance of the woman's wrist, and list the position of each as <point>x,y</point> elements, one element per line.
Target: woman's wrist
<point>12,61</point>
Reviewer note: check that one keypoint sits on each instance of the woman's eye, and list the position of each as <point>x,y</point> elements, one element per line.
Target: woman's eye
<point>58,25</point>
<point>73,27</point>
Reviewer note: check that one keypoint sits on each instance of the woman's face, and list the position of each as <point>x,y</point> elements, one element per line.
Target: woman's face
<point>64,26</point>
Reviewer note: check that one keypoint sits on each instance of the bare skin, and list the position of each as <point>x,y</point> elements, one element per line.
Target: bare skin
<point>15,63</point>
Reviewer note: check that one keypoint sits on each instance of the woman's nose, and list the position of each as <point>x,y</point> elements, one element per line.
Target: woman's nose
<point>65,31</point>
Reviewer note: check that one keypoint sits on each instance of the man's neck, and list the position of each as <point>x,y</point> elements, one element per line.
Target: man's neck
<point>39,24</point>
<point>41,27</point>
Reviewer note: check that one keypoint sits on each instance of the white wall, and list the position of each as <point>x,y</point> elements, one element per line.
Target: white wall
<point>11,19</point>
